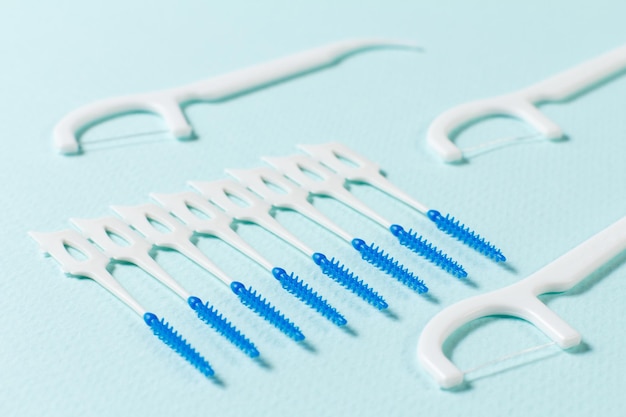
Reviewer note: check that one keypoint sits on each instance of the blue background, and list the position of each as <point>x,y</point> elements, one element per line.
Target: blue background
<point>68,348</point>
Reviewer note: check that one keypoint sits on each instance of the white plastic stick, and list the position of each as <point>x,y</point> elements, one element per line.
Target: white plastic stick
<point>356,168</point>
<point>214,222</point>
<point>94,266</point>
<point>520,300</point>
<point>327,183</point>
<point>523,103</point>
<point>255,211</point>
<point>167,103</point>
<point>136,250</point>
<point>277,190</point>
<point>177,237</point>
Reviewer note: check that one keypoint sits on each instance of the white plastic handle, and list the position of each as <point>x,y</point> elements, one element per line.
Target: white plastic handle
<point>327,183</point>
<point>136,250</point>
<point>215,222</point>
<point>520,300</point>
<point>522,103</point>
<point>94,266</point>
<point>357,168</point>
<point>267,182</point>
<point>177,238</point>
<point>255,211</point>
<point>167,103</point>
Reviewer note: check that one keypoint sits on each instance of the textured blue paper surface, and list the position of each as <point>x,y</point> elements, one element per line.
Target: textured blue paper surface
<point>68,348</point>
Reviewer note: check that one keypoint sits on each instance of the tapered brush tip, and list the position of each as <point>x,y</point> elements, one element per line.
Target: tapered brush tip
<point>434,215</point>
<point>396,229</point>
<point>278,273</point>
<point>237,287</point>
<point>318,258</point>
<point>358,244</point>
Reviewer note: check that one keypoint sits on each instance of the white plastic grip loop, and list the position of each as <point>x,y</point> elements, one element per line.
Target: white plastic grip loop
<point>216,223</point>
<point>97,230</point>
<point>356,168</point>
<point>328,183</point>
<point>139,218</point>
<point>261,181</point>
<point>520,300</point>
<point>256,210</point>
<point>177,237</point>
<point>219,192</point>
<point>344,161</point>
<point>522,103</point>
<point>94,266</point>
<point>136,250</point>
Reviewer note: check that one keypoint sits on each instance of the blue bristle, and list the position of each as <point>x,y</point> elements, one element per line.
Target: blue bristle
<point>347,279</point>
<point>377,257</point>
<point>464,234</point>
<point>426,249</point>
<point>213,318</point>
<point>170,337</point>
<point>263,308</point>
<point>303,292</point>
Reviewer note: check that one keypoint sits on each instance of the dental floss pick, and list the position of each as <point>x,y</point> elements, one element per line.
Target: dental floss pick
<point>95,267</point>
<point>521,300</point>
<point>137,251</point>
<point>178,238</point>
<point>356,168</point>
<point>330,184</point>
<point>167,103</point>
<point>292,197</point>
<point>217,223</point>
<point>523,103</point>
<point>258,211</point>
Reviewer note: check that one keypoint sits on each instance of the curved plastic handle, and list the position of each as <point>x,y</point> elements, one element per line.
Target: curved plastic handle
<point>514,105</point>
<point>520,300</point>
<point>94,266</point>
<point>166,103</point>
<point>522,103</point>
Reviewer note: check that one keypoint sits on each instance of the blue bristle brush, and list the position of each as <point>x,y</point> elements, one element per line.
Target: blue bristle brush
<point>350,166</point>
<point>330,184</point>
<point>257,211</point>
<point>60,245</point>
<point>143,219</point>
<point>108,232</point>
<point>204,218</point>
<point>281,193</point>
